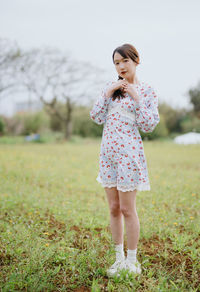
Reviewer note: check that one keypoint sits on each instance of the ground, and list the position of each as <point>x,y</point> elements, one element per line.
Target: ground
<point>54,220</point>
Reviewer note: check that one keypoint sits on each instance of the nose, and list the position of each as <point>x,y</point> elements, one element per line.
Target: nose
<point>121,66</point>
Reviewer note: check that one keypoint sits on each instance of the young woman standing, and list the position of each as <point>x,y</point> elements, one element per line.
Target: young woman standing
<point>124,106</point>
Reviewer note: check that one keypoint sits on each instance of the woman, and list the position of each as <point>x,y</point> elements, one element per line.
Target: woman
<point>123,107</point>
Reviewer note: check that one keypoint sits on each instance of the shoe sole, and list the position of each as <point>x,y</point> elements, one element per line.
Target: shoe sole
<point>137,272</point>
<point>113,275</point>
<point>117,273</point>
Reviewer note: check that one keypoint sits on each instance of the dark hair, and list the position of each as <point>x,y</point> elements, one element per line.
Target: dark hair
<point>126,51</point>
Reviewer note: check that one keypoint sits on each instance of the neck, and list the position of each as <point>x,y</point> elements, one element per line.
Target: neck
<point>133,80</point>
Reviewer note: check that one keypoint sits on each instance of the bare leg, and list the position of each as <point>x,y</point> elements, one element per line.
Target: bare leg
<point>128,209</point>
<point>116,216</point>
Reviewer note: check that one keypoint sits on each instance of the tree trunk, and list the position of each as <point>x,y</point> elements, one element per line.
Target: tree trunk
<point>68,122</point>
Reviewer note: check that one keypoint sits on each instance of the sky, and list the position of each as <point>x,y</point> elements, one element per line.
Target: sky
<point>165,33</point>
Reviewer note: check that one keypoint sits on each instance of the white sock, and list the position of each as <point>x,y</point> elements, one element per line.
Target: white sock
<point>119,251</point>
<point>131,254</point>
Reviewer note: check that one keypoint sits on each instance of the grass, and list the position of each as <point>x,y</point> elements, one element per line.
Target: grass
<point>54,220</point>
<point>48,137</point>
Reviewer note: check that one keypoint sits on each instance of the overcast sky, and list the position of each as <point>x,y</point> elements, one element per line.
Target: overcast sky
<point>165,33</point>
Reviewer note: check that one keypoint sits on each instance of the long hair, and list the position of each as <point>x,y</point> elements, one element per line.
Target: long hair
<point>126,51</point>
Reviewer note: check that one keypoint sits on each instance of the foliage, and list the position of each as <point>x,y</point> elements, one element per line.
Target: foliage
<point>173,117</point>
<point>83,125</point>
<point>26,123</point>
<point>171,121</point>
<point>194,95</point>
<point>47,137</point>
<point>190,124</point>
<point>32,123</point>
<point>56,124</point>
<point>2,126</point>
<point>160,130</point>
<point>55,222</point>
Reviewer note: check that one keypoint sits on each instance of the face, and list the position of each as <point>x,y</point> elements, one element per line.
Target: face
<point>126,67</point>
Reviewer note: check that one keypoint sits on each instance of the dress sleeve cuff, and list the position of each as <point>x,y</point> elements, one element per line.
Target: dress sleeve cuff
<point>139,104</point>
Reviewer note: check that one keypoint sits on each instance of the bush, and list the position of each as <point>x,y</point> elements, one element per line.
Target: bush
<point>56,124</point>
<point>172,117</point>
<point>160,130</point>
<point>13,125</point>
<point>2,126</point>
<point>83,125</point>
<point>33,122</point>
<point>190,124</point>
<point>26,123</point>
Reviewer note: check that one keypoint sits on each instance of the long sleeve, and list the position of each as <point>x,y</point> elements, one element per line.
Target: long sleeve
<point>147,115</point>
<point>98,113</point>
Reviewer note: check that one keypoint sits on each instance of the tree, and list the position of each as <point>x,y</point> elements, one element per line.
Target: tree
<point>51,75</point>
<point>172,116</point>
<point>194,95</point>
<point>9,53</point>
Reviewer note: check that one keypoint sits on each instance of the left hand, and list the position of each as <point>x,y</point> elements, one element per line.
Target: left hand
<point>130,89</point>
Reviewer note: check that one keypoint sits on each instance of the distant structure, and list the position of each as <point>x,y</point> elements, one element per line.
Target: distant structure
<point>189,138</point>
<point>30,106</point>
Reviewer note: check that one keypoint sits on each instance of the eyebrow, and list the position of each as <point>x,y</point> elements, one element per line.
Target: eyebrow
<point>119,60</point>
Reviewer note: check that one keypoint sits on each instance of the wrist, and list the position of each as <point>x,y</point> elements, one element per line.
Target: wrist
<point>108,93</point>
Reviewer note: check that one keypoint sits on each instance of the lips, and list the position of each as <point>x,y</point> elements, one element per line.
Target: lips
<point>123,72</point>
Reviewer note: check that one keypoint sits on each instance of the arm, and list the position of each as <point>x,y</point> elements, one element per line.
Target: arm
<point>98,113</point>
<point>147,115</point>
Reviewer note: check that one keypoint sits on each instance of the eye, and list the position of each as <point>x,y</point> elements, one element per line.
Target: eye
<point>125,60</point>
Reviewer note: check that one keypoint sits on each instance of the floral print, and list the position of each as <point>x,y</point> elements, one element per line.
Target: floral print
<point>122,162</point>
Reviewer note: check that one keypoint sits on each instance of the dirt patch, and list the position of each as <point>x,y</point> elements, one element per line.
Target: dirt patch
<point>157,249</point>
<point>5,258</point>
<point>82,234</point>
<point>82,289</point>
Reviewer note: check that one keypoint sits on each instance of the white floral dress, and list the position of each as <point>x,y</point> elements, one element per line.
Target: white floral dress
<point>122,162</point>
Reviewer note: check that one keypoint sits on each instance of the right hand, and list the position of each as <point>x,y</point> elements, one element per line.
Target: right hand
<point>116,85</point>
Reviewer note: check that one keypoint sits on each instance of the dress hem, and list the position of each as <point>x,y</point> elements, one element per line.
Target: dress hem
<point>141,187</point>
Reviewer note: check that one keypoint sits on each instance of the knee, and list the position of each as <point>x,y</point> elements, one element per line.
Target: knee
<point>115,209</point>
<point>127,212</point>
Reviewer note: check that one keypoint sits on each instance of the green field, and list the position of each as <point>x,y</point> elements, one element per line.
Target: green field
<point>54,220</point>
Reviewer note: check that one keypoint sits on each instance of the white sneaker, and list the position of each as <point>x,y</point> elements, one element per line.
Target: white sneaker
<point>133,267</point>
<point>116,268</point>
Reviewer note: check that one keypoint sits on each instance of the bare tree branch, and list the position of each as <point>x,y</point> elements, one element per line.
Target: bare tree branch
<point>50,76</point>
